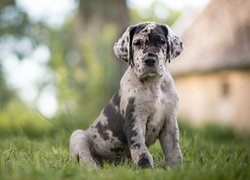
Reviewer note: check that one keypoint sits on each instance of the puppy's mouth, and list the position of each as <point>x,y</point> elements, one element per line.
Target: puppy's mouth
<point>150,74</point>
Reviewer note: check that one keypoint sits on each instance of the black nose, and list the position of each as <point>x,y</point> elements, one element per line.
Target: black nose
<point>150,61</point>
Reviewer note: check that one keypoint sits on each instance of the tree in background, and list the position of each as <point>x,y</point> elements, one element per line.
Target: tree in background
<point>9,26</point>
<point>87,73</point>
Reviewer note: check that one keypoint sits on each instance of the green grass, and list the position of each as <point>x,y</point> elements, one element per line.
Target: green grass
<point>209,153</point>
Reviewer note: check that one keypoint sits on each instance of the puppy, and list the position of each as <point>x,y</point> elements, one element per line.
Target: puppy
<point>144,108</point>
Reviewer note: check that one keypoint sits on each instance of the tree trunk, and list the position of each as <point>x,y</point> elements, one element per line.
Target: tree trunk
<point>98,24</point>
<point>101,12</point>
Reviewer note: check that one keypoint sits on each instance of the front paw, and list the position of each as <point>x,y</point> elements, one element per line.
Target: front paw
<point>174,160</point>
<point>145,160</point>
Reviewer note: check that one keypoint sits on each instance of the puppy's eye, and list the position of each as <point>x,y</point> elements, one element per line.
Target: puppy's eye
<point>137,42</point>
<point>161,41</point>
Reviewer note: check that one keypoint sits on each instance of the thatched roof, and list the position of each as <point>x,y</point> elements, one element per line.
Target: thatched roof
<point>218,39</point>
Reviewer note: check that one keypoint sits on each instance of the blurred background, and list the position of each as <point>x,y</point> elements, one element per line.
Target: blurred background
<point>58,70</point>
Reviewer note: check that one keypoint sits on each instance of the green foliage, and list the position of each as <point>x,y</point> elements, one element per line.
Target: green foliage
<point>5,93</point>
<point>17,119</point>
<point>47,158</point>
<point>85,76</point>
<point>151,13</point>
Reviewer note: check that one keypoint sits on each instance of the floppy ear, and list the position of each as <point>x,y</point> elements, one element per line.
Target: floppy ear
<point>174,44</point>
<point>123,47</point>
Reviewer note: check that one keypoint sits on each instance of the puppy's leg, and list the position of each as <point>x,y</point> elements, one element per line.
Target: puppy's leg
<point>135,133</point>
<point>80,147</point>
<point>169,139</point>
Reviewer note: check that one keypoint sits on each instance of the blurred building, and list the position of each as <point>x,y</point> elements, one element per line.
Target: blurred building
<point>212,74</point>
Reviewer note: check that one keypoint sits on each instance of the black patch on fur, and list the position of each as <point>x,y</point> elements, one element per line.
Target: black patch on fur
<point>118,150</point>
<point>115,119</point>
<point>134,30</point>
<point>131,35</point>
<point>140,27</point>
<point>116,99</point>
<point>144,161</point>
<point>165,30</point>
<point>163,127</point>
<point>133,133</point>
<point>102,131</point>
<point>156,32</point>
<point>78,158</point>
<point>132,141</point>
<point>130,121</point>
<point>169,43</point>
<point>142,80</point>
<point>136,146</point>
<point>129,114</point>
<point>154,45</point>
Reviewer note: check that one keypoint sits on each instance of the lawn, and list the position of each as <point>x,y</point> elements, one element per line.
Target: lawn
<point>209,153</point>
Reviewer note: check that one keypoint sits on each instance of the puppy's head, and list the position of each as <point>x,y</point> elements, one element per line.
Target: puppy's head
<point>146,47</point>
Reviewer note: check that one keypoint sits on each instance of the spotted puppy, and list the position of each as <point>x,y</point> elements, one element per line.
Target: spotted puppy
<point>143,109</point>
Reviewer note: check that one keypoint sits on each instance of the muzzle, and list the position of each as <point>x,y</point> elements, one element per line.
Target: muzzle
<point>150,59</point>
